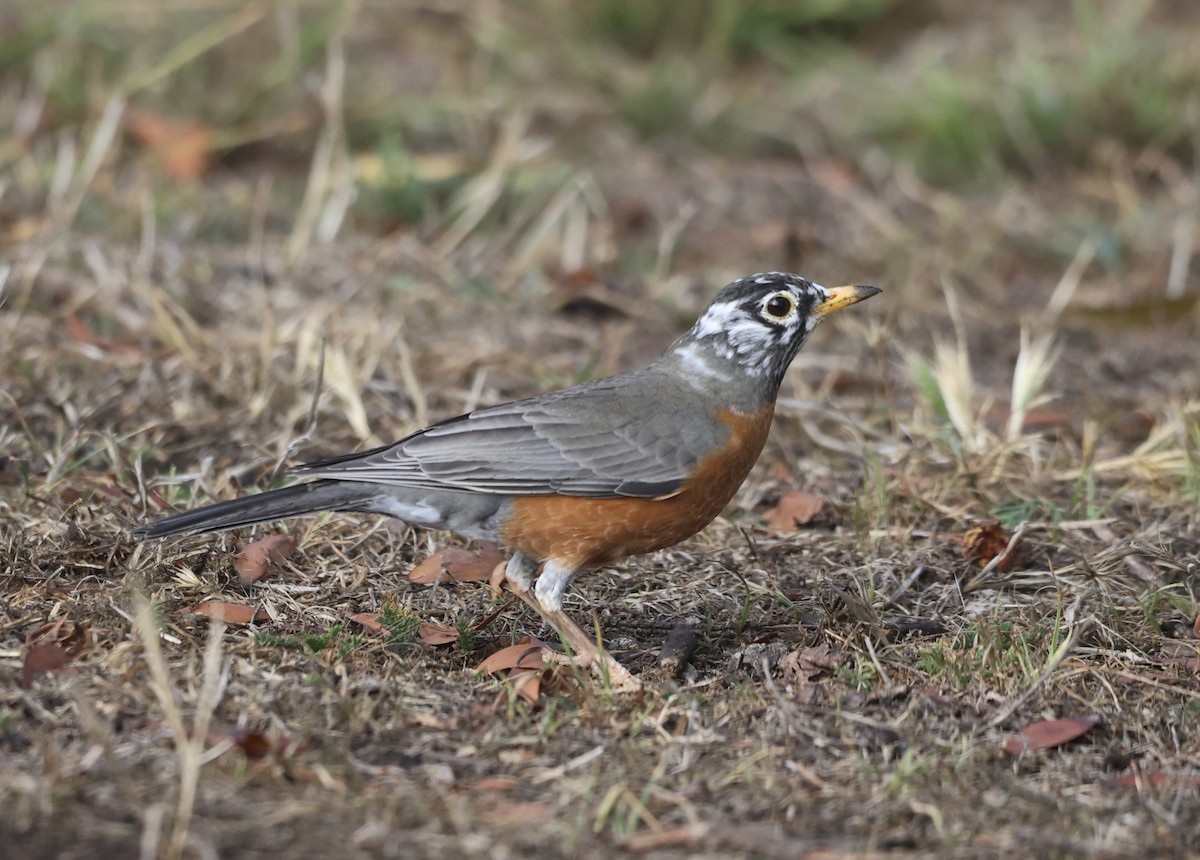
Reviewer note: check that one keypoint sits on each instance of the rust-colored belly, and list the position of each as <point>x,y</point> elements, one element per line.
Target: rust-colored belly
<point>586,532</point>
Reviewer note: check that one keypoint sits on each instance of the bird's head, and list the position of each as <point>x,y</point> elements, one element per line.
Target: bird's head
<point>754,327</point>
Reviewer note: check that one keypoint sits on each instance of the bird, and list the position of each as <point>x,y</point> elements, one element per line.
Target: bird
<point>584,476</point>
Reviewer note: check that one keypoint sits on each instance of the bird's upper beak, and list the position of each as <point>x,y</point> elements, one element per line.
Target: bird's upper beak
<point>843,297</point>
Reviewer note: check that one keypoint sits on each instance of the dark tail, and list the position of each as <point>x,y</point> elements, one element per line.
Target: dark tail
<point>293,501</point>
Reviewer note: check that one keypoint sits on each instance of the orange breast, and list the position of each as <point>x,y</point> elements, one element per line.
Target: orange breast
<point>587,532</point>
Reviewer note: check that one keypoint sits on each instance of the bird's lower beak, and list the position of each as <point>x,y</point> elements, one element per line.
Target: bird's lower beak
<point>843,297</point>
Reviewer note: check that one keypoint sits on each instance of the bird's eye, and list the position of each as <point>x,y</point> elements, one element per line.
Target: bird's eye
<point>779,306</point>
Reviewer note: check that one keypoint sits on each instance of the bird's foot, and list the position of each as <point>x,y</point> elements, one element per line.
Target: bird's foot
<point>584,650</point>
<point>615,677</point>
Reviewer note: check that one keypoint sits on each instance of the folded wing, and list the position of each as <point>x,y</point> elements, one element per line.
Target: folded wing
<point>608,438</point>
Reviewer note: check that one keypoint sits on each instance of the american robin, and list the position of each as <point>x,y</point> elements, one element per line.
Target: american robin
<point>585,476</point>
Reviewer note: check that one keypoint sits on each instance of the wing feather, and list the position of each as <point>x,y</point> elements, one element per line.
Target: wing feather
<point>634,435</point>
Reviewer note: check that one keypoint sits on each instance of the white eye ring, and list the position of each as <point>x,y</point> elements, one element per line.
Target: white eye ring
<point>779,306</point>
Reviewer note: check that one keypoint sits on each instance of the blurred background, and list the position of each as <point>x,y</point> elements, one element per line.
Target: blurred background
<point>540,143</point>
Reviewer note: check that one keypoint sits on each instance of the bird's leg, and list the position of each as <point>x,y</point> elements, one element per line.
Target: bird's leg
<point>546,600</point>
<point>520,571</point>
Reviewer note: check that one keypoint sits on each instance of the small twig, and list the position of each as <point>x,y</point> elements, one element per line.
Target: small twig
<point>886,678</point>
<point>905,586</point>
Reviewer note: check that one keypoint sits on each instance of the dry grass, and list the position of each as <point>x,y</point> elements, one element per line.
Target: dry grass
<point>1031,361</point>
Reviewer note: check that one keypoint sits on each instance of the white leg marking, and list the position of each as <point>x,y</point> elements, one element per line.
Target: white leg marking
<point>552,583</point>
<point>520,571</point>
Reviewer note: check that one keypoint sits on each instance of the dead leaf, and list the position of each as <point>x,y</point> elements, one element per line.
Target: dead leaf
<point>528,683</point>
<point>458,565</point>
<point>436,633</point>
<point>524,663</point>
<point>498,578</point>
<point>183,148</point>
<point>64,632</point>
<point>795,508</point>
<point>40,659</point>
<point>230,613</point>
<point>251,563</point>
<point>1049,733</point>
<point>253,744</point>
<point>370,620</point>
<point>523,655</point>
<point>986,540</point>
<point>808,664</point>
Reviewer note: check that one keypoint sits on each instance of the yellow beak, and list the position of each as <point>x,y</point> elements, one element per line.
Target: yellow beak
<point>843,297</point>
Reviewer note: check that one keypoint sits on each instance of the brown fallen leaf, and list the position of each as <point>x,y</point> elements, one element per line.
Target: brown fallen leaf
<point>183,148</point>
<point>795,508</point>
<point>986,540</point>
<point>253,744</point>
<point>370,620</point>
<point>251,563</point>
<point>436,633</point>
<point>524,655</point>
<point>230,613</point>
<point>40,659</point>
<point>457,565</point>
<point>1049,733</point>
<point>524,663</point>
<point>498,578</point>
<point>528,683</point>
<point>70,636</point>
<point>808,664</point>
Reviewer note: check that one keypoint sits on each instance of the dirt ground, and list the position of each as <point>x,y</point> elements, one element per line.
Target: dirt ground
<point>983,643</point>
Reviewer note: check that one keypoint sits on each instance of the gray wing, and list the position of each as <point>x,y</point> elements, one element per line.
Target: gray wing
<point>629,435</point>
